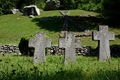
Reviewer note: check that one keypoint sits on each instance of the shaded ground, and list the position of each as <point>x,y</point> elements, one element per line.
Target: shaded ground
<point>73,23</point>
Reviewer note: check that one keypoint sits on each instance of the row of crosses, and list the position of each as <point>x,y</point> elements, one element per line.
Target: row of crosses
<point>69,42</point>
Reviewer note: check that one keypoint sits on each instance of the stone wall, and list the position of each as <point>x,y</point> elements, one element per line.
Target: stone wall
<point>9,49</point>
<point>52,50</point>
<point>85,51</point>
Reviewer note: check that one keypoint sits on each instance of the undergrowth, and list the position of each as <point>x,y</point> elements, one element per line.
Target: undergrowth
<point>17,67</point>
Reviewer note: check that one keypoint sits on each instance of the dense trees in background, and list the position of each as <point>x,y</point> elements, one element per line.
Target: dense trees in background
<point>110,8</point>
<point>82,4</point>
<point>7,5</point>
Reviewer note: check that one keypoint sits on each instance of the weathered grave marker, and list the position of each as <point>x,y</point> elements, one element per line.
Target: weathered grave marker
<point>69,43</point>
<point>39,43</point>
<point>104,36</point>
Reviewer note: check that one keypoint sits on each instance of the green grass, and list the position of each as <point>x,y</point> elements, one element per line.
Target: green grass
<point>14,27</point>
<point>16,67</point>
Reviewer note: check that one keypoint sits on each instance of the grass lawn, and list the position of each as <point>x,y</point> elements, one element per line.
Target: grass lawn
<point>14,27</point>
<point>16,67</point>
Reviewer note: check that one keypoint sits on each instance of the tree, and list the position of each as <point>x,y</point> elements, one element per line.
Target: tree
<point>6,6</point>
<point>111,9</point>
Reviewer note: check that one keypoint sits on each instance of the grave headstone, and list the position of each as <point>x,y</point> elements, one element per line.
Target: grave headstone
<point>31,10</point>
<point>39,43</point>
<point>104,36</point>
<point>69,43</point>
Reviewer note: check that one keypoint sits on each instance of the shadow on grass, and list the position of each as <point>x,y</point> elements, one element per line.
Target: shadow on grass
<point>75,23</point>
<point>49,23</point>
<point>115,51</point>
<point>76,74</point>
<point>118,36</point>
<point>24,48</point>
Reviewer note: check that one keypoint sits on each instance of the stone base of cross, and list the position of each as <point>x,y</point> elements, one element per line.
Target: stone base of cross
<point>39,43</point>
<point>104,36</point>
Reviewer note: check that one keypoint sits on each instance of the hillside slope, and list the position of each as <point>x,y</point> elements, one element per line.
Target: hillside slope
<point>14,27</point>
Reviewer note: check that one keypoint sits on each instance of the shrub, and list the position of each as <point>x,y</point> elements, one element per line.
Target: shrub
<point>111,9</point>
<point>23,46</point>
<point>41,4</point>
<point>82,4</point>
<point>6,6</point>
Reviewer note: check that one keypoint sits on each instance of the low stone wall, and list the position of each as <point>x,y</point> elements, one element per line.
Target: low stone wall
<point>9,49</point>
<point>52,50</point>
<point>86,50</point>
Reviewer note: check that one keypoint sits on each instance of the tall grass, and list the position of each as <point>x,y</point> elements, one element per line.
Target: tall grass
<point>16,67</point>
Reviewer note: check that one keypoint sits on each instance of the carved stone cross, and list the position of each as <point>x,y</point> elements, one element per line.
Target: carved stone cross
<point>39,43</point>
<point>104,36</point>
<point>69,43</point>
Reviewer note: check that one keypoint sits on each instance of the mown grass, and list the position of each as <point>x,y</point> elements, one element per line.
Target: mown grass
<point>14,27</point>
<point>16,67</point>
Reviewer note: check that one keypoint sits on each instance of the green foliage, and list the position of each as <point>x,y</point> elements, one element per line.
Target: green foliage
<point>19,67</point>
<point>21,3</point>
<point>112,7</point>
<point>82,4</point>
<point>1,11</point>
<point>41,4</point>
<point>111,10</point>
<point>14,27</point>
<point>6,6</point>
<point>68,4</point>
<point>27,37</point>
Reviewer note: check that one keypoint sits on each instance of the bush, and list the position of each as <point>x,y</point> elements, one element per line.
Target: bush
<point>6,6</point>
<point>23,46</point>
<point>82,4</point>
<point>68,4</point>
<point>41,4</point>
<point>111,9</point>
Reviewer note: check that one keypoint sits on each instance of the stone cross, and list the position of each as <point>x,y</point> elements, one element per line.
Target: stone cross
<point>104,36</point>
<point>39,43</point>
<point>69,43</point>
